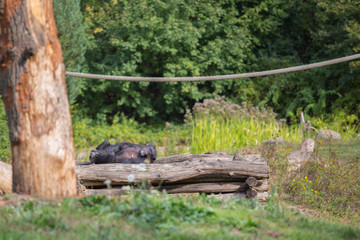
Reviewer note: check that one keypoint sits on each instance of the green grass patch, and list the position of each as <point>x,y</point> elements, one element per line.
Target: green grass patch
<point>231,134</point>
<point>161,216</point>
<point>329,182</point>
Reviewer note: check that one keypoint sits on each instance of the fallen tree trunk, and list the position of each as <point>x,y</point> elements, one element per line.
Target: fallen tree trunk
<point>219,187</point>
<point>5,178</point>
<point>213,187</point>
<point>190,171</point>
<point>261,196</point>
<point>255,159</point>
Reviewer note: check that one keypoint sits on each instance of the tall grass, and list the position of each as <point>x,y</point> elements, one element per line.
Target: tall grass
<point>220,125</point>
<point>230,134</point>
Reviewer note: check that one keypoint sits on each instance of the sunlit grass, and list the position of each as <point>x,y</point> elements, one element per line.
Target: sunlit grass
<point>161,216</point>
<point>329,182</point>
<point>230,134</point>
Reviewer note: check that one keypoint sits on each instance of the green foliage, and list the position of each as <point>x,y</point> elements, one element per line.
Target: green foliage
<point>71,33</point>
<point>313,31</point>
<point>161,38</point>
<point>187,38</point>
<point>161,216</point>
<point>5,149</point>
<point>147,209</point>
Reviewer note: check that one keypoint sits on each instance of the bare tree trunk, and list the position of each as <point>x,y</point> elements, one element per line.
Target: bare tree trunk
<point>33,90</point>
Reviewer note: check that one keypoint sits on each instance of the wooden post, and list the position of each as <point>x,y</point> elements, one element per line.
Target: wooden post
<point>33,90</point>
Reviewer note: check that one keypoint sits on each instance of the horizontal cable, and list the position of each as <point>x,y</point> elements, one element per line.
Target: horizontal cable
<point>218,77</point>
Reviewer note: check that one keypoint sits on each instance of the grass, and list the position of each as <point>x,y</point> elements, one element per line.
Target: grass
<point>329,182</point>
<point>160,216</point>
<point>230,134</point>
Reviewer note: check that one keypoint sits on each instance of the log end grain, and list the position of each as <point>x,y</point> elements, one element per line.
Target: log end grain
<point>251,193</point>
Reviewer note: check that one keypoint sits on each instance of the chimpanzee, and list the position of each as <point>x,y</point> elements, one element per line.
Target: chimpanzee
<point>123,152</point>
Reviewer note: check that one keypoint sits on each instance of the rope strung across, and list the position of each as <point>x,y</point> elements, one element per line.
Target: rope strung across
<point>214,78</point>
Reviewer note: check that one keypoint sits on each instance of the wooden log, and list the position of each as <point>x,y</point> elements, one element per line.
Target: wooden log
<point>262,186</point>
<point>251,193</point>
<point>216,187</point>
<point>79,162</point>
<point>251,181</point>
<point>105,192</point>
<point>255,159</point>
<point>187,156</point>
<point>219,187</point>
<point>5,178</point>
<point>261,196</point>
<point>181,172</point>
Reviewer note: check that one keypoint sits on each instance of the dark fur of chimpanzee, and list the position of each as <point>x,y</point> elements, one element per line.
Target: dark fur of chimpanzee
<point>123,152</point>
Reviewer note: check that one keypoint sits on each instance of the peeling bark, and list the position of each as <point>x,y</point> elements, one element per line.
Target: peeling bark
<point>33,89</point>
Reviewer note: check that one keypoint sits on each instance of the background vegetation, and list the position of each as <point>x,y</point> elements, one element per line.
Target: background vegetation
<point>187,38</point>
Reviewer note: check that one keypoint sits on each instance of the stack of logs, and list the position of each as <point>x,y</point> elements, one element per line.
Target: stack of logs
<point>222,175</point>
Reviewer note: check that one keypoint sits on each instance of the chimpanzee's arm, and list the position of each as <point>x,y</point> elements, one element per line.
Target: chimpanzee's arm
<point>103,145</point>
<point>102,156</point>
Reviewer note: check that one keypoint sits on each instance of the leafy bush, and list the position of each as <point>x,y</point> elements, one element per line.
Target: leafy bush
<point>169,38</point>
<point>227,110</point>
<point>182,38</point>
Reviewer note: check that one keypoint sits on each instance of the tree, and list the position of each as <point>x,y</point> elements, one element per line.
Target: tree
<point>34,93</point>
<point>192,38</point>
<point>160,38</point>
